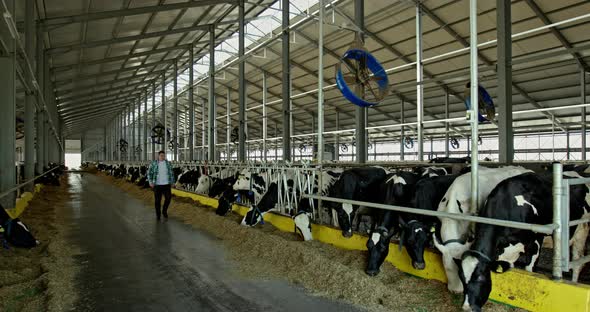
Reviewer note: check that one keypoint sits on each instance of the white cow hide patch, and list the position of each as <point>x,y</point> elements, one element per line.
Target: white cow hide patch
<point>23,225</point>
<point>511,253</point>
<point>375,238</point>
<point>469,264</point>
<point>396,180</point>
<point>521,201</point>
<point>530,266</point>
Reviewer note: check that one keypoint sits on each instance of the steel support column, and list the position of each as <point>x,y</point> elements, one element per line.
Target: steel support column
<point>133,125</point>
<point>164,121</point>
<point>30,96</point>
<point>139,131</point>
<point>175,112</point>
<point>337,145</point>
<point>83,152</point>
<point>145,127</point>
<point>228,124</point>
<point>446,123</point>
<point>361,112</point>
<point>121,136</point>
<point>264,118</point>
<point>583,115</point>
<point>504,66</point>
<point>203,131</point>
<point>154,123</point>
<point>242,83</point>
<point>40,113</point>
<point>211,113</point>
<point>474,100</point>
<point>128,156</point>
<point>286,90</point>
<point>320,128</point>
<point>419,86</point>
<point>402,134</point>
<point>104,144</point>
<point>47,129</point>
<point>7,120</point>
<point>191,106</point>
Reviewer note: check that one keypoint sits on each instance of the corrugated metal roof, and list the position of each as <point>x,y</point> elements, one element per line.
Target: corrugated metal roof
<point>76,50</point>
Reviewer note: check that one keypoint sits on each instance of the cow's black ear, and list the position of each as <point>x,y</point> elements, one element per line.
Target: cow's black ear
<point>401,221</point>
<point>500,266</point>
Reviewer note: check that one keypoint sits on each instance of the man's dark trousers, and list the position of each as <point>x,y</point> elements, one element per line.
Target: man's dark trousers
<point>160,190</point>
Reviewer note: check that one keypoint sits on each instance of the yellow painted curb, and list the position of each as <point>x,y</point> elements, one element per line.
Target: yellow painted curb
<point>22,203</point>
<point>531,291</point>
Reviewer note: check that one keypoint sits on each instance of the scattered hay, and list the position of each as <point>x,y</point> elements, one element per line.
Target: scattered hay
<point>324,270</point>
<point>41,278</point>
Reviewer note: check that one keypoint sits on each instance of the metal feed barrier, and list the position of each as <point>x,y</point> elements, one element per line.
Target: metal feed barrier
<point>304,174</point>
<point>18,187</point>
<point>559,228</point>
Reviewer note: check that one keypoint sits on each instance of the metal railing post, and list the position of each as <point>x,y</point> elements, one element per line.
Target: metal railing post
<point>557,209</point>
<point>564,226</point>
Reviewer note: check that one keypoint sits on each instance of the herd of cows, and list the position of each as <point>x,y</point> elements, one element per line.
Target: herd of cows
<point>470,252</point>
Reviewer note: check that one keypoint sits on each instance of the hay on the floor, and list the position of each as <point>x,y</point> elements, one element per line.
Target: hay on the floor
<point>267,253</point>
<point>41,278</point>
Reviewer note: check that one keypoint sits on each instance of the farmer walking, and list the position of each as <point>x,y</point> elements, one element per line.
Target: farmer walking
<point>161,179</point>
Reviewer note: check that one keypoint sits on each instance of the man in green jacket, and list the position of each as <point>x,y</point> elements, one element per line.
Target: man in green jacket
<point>161,179</point>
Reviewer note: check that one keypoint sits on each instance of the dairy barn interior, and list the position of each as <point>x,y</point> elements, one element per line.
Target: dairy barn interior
<point>313,155</point>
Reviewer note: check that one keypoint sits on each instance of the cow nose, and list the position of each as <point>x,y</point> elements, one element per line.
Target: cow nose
<point>372,272</point>
<point>418,265</point>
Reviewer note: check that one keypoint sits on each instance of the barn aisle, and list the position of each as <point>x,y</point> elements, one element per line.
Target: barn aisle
<point>132,263</point>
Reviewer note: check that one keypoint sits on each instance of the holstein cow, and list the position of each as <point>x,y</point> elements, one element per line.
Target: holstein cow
<point>257,183</point>
<point>213,184</point>
<point>357,184</point>
<point>450,160</point>
<point>143,181</point>
<point>302,218</point>
<point>406,189</point>
<point>189,179</point>
<point>522,198</point>
<point>269,200</point>
<point>15,232</point>
<point>457,236</point>
<point>230,196</point>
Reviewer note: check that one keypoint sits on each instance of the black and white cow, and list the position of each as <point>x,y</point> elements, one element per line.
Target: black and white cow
<point>302,218</point>
<point>51,178</point>
<point>143,181</point>
<point>254,182</point>
<point>213,184</point>
<point>409,190</point>
<point>230,196</point>
<point>15,232</point>
<point>457,236</point>
<point>432,171</point>
<point>450,160</point>
<point>522,198</point>
<point>189,179</point>
<point>266,204</point>
<point>361,184</point>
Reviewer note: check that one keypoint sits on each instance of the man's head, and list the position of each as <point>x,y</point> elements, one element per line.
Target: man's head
<point>161,155</point>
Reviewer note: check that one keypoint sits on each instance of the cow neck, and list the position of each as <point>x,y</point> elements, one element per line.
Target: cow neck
<point>479,254</point>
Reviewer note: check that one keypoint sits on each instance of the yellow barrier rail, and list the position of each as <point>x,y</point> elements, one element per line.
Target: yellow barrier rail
<point>518,288</point>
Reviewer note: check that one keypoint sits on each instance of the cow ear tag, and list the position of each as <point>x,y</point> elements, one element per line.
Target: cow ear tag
<point>499,269</point>
<point>432,229</point>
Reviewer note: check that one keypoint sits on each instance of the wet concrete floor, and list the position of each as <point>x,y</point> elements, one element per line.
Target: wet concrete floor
<point>132,263</point>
